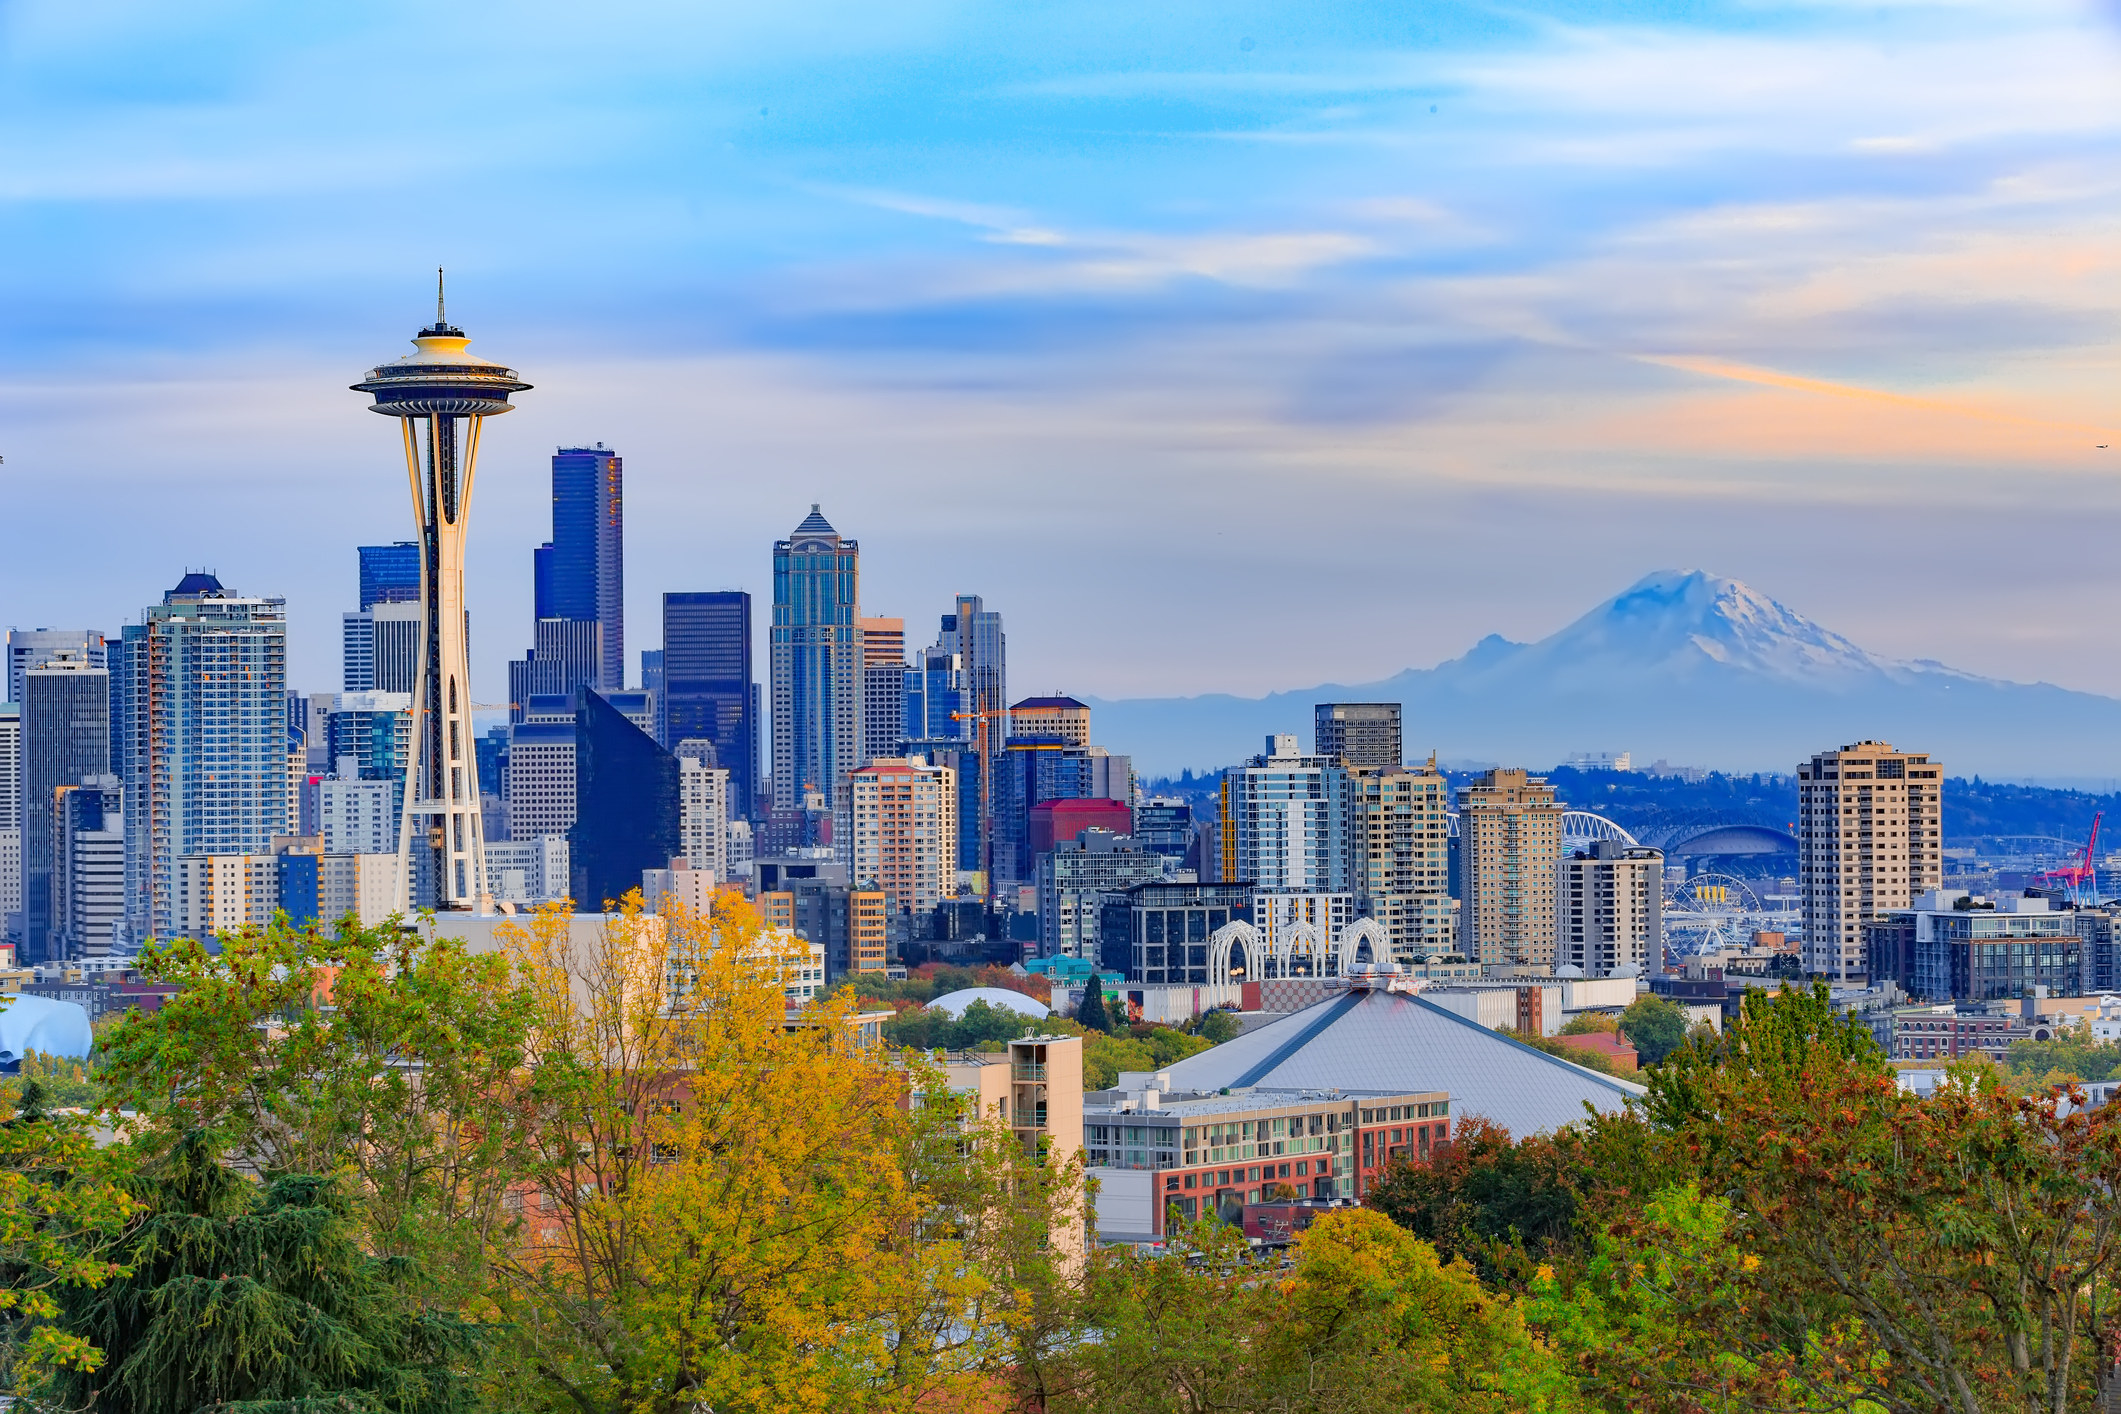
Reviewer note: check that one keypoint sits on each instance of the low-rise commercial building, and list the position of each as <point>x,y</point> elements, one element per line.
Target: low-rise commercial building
<point>1202,1154</point>
<point>1954,946</point>
<point>1946,1033</point>
<point>1160,932</point>
<point>1073,879</point>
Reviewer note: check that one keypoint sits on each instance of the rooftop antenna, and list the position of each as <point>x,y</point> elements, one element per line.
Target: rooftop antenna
<point>439,320</point>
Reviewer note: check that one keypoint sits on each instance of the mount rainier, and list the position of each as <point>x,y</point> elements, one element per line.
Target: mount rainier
<point>1682,665</point>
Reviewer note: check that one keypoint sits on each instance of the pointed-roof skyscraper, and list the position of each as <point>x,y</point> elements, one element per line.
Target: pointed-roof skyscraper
<point>816,663</point>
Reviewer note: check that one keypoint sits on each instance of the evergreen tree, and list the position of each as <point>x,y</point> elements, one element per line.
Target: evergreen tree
<point>258,1300</point>
<point>1090,1011</point>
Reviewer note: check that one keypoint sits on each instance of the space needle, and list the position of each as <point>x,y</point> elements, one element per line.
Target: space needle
<point>441,396</point>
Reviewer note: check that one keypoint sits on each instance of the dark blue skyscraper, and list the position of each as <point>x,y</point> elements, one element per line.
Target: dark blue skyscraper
<point>390,574</point>
<point>707,689</point>
<point>580,573</point>
<point>625,803</point>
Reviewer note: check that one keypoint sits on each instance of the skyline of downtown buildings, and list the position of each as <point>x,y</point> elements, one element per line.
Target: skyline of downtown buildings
<point>211,754</point>
<point>227,757</point>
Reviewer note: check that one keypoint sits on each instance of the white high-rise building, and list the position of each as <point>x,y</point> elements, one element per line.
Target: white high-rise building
<point>10,820</point>
<point>541,779</point>
<point>1288,818</point>
<point>10,766</point>
<point>365,885</point>
<point>703,809</point>
<point>360,817</point>
<point>34,647</point>
<point>1402,844</point>
<point>1870,837</point>
<point>528,871</point>
<point>88,867</point>
<point>1300,926</point>
<point>223,893</point>
<point>206,766</point>
<point>1609,909</point>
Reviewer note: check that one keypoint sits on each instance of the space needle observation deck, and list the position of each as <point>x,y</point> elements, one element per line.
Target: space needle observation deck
<point>441,396</point>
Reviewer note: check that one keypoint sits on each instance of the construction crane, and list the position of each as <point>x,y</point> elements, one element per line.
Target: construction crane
<point>2084,871</point>
<point>986,788</point>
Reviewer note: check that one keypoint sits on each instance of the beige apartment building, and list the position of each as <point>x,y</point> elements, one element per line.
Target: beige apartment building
<point>1403,844</point>
<point>1061,717</point>
<point>905,832</point>
<point>1609,903</point>
<point>1509,845</point>
<point>883,686</point>
<point>1870,836</point>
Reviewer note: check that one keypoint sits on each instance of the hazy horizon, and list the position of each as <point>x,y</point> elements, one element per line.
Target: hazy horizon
<point>1222,349</point>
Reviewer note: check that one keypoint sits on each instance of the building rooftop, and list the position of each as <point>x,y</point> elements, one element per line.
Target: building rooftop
<point>1194,1105</point>
<point>815,523</point>
<point>1049,704</point>
<point>1374,1040</point>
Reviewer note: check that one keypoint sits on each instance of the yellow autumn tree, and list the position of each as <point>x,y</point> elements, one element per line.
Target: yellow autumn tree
<point>731,1204</point>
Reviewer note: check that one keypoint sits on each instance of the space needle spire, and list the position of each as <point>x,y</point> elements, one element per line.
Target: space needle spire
<point>441,396</point>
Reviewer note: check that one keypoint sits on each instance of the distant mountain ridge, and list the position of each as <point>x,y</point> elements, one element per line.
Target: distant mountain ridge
<point>1683,665</point>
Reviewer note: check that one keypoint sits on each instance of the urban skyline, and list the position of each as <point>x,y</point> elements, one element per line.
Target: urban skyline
<point>1732,315</point>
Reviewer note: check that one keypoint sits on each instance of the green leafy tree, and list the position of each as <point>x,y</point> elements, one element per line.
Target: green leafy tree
<point>2072,1055</point>
<point>1591,1023</point>
<point>62,1206</point>
<point>1365,1321</point>
<point>1858,1247</point>
<point>385,1055</point>
<point>1488,1199</point>
<point>1655,1027</point>
<point>262,1298</point>
<point>1217,1026</point>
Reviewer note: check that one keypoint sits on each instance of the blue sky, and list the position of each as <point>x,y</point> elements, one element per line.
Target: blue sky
<point>1223,348</point>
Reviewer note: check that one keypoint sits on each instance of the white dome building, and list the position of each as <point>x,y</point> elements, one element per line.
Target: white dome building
<point>42,1024</point>
<point>953,1004</point>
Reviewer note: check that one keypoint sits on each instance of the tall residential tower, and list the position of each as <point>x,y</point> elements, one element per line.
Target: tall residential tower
<point>1869,838</point>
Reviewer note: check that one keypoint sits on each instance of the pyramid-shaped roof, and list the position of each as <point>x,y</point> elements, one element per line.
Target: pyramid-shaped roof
<point>195,584</point>
<point>1381,1040</point>
<point>815,523</point>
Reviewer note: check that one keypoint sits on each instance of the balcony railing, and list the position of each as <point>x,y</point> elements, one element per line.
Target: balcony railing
<point>1029,1070</point>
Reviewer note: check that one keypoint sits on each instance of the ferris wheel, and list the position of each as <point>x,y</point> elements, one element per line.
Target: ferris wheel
<point>1712,911</point>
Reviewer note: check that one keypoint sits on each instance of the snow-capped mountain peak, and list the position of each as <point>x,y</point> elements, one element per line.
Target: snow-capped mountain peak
<point>1672,612</point>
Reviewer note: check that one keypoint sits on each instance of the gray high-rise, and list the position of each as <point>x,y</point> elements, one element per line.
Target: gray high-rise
<point>1364,735</point>
<point>28,647</point>
<point>65,737</point>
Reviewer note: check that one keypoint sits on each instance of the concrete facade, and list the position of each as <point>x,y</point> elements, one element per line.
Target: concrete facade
<point>1870,837</point>
<point>1509,843</point>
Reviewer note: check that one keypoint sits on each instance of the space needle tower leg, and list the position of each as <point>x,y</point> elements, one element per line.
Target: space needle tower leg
<point>443,397</point>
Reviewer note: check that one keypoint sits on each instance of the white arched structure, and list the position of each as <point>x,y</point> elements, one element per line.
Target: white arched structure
<point>1582,827</point>
<point>1327,955</point>
<point>1361,931</point>
<point>1238,934</point>
<point>1308,941</point>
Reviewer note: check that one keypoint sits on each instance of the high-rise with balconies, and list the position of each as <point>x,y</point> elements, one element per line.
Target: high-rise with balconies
<point>1509,841</point>
<point>1869,838</point>
<point>205,738</point>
